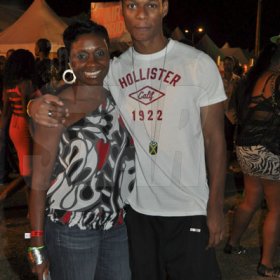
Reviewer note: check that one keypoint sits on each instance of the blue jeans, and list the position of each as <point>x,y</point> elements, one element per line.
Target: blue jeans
<point>76,254</point>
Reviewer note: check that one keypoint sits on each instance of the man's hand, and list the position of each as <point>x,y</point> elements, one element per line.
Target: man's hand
<point>215,222</point>
<point>48,110</point>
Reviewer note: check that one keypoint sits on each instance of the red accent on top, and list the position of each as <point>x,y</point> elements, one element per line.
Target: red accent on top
<point>121,122</point>
<point>66,217</point>
<point>120,218</point>
<point>102,150</point>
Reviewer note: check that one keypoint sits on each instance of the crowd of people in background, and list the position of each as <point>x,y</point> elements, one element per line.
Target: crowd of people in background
<point>18,88</point>
<point>102,139</point>
<point>24,76</point>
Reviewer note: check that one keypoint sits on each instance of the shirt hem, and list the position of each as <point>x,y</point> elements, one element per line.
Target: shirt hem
<point>150,212</point>
<point>213,101</point>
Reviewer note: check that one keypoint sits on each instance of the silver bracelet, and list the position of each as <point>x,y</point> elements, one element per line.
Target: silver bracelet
<point>36,255</point>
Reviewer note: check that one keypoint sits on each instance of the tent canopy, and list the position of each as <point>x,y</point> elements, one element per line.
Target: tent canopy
<point>207,45</point>
<point>226,45</point>
<point>238,53</point>
<point>8,15</point>
<point>39,21</point>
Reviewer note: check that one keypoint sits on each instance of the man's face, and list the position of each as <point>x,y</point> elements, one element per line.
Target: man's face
<point>143,18</point>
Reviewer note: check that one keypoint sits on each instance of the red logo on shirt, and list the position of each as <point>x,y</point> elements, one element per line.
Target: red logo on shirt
<point>147,95</point>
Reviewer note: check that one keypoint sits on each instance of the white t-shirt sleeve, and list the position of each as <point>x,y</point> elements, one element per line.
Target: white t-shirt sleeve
<point>210,81</point>
<point>106,82</point>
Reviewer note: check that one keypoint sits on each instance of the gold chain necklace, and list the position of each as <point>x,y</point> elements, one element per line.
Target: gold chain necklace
<point>153,144</point>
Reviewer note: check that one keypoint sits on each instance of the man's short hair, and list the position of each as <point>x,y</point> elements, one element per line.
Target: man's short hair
<point>229,58</point>
<point>44,46</point>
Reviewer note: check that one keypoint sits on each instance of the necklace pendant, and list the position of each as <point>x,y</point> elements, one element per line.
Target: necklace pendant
<point>153,148</point>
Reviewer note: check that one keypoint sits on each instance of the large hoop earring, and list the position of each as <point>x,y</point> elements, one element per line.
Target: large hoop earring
<point>69,82</point>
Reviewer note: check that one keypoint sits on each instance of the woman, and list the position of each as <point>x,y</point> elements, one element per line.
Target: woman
<point>258,152</point>
<point>82,173</point>
<point>18,82</point>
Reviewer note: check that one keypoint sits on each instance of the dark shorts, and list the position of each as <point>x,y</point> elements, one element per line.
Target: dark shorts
<point>174,246</point>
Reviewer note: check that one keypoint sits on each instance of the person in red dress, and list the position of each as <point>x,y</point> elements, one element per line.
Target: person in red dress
<point>18,88</point>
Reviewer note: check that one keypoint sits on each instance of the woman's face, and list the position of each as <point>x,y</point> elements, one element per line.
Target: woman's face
<point>89,58</point>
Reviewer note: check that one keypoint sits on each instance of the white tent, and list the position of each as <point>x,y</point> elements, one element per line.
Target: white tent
<point>207,45</point>
<point>39,21</point>
<point>177,34</point>
<point>238,53</point>
<point>8,15</point>
<point>226,45</point>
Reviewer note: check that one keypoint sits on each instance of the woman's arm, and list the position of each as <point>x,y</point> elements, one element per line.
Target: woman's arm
<point>28,92</point>
<point>26,89</point>
<point>46,141</point>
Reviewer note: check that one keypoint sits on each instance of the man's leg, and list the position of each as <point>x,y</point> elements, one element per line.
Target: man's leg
<point>185,250</point>
<point>144,235</point>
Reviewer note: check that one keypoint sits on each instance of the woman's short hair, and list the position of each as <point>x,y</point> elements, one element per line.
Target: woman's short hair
<point>78,28</point>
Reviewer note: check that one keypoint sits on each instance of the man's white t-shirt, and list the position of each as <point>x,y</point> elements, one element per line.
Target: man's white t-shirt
<point>160,96</point>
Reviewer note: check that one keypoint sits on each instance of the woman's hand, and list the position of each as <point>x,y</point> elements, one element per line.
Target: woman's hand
<point>41,270</point>
<point>48,110</point>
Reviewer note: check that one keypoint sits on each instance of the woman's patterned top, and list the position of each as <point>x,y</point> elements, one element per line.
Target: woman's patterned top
<point>94,171</point>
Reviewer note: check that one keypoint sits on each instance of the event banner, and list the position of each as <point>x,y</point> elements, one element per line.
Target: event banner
<point>109,15</point>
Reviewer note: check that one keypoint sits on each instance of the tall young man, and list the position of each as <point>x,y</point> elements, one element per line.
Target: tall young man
<point>171,99</point>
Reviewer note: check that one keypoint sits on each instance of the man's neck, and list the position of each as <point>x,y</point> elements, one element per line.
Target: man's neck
<point>42,56</point>
<point>150,47</point>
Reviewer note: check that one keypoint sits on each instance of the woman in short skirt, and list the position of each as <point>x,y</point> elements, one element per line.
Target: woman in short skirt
<point>257,106</point>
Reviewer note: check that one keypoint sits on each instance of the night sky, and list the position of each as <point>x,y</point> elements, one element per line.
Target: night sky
<point>232,21</point>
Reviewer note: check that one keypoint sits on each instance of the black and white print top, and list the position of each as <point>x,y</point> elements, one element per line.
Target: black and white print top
<point>94,171</point>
